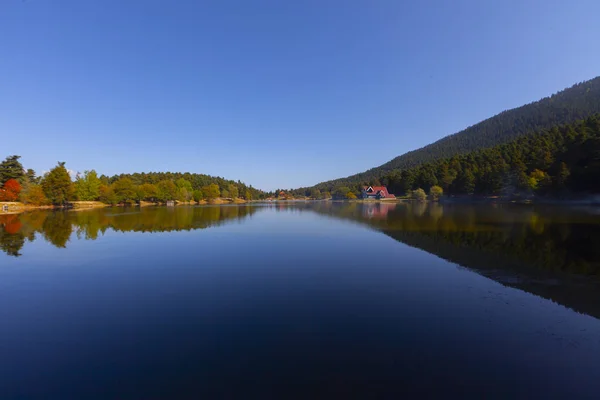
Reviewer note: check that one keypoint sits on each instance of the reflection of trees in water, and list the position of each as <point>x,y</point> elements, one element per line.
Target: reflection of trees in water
<point>57,226</point>
<point>548,251</point>
<point>550,238</point>
<point>11,238</point>
<point>554,239</point>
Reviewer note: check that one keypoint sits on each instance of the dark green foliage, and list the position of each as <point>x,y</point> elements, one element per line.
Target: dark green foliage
<point>11,168</point>
<point>340,192</point>
<point>578,102</point>
<point>562,161</point>
<point>554,162</point>
<point>31,178</point>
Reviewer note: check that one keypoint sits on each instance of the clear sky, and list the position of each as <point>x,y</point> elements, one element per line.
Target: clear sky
<point>274,93</point>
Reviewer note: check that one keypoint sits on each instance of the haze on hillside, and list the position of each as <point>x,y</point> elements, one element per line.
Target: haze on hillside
<point>274,94</point>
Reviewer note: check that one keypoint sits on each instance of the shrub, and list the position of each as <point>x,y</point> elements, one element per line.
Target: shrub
<point>435,192</point>
<point>419,195</point>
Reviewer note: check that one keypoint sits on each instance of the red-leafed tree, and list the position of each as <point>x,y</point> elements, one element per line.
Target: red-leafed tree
<point>10,191</point>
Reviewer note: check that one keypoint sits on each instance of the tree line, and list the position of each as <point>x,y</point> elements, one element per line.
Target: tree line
<point>575,103</point>
<point>56,187</point>
<point>563,161</point>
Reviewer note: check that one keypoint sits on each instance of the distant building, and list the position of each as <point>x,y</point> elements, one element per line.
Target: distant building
<point>376,192</point>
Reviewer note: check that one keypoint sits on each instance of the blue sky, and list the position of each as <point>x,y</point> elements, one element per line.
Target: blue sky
<point>274,93</point>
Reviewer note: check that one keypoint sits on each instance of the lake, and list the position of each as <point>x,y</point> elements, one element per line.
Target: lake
<point>304,300</point>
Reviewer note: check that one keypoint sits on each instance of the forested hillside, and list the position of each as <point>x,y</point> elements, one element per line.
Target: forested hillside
<point>563,161</point>
<point>575,103</point>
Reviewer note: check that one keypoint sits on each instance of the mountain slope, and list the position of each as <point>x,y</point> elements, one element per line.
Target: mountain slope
<point>569,105</point>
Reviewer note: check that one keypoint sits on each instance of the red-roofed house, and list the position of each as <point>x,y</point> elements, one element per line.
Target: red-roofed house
<point>376,192</point>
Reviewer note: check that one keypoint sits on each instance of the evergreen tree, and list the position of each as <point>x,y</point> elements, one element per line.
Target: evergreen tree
<point>31,178</point>
<point>11,168</point>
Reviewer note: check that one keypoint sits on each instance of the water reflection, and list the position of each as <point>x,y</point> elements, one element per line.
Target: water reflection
<point>548,251</point>
<point>286,299</point>
<point>529,242</point>
<point>549,238</point>
<point>57,227</point>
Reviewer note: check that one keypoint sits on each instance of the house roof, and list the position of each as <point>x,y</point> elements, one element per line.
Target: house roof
<point>379,189</point>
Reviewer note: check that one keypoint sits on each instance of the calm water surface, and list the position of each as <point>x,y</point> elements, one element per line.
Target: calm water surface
<point>318,300</point>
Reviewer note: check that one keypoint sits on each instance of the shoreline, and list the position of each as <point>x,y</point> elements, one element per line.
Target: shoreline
<point>15,207</point>
<point>18,207</point>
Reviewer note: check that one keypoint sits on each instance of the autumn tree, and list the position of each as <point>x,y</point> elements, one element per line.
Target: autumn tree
<point>435,192</point>
<point>10,191</point>
<point>147,192</point>
<point>125,190</point>
<point>248,195</point>
<point>211,191</point>
<point>87,186</point>
<point>419,195</point>
<point>34,195</point>
<point>107,194</point>
<point>58,186</point>
<point>233,191</point>
<point>539,180</point>
<point>167,190</point>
